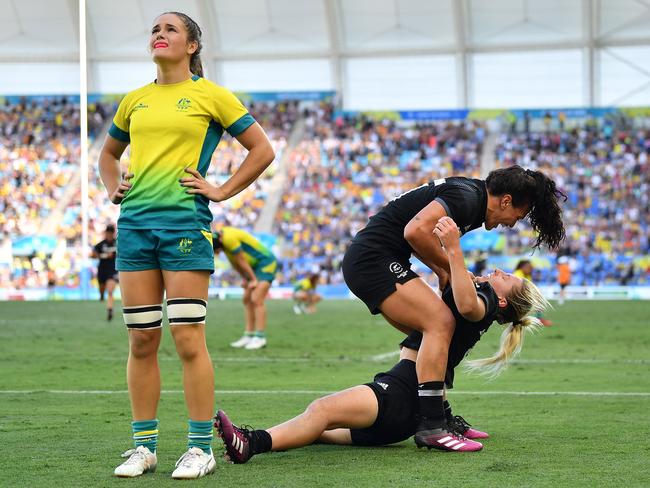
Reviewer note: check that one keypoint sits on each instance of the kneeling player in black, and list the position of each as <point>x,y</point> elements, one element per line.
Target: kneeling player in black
<point>386,410</point>
<point>107,276</point>
<point>377,267</point>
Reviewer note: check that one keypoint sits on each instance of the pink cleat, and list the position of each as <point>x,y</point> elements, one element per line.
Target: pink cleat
<point>460,425</point>
<point>236,440</point>
<point>444,440</point>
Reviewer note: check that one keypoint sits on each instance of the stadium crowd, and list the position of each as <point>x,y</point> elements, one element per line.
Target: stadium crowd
<point>342,171</point>
<point>606,175</point>
<point>39,156</point>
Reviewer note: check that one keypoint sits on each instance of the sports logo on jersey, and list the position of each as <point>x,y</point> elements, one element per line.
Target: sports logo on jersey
<point>140,106</point>
<point>397,269</point>
<point>183,105</point>
<point>185,246</point>
<point>383,385</point>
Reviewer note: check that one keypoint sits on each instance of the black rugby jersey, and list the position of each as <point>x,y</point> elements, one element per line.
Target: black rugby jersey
<point>464,200</point>
<point>106,252</point>
<point>467,333</point>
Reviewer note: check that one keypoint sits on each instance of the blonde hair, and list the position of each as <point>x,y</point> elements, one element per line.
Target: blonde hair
<point>522,301</point>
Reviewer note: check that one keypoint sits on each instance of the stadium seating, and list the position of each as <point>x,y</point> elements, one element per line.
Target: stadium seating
<point>342,171</point>
<point>606,176</point>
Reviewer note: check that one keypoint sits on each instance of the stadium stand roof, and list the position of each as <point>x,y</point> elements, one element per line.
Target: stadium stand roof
<point>343,44</point>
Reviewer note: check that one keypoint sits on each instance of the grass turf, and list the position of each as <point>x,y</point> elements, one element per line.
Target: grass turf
<point>68,430</point>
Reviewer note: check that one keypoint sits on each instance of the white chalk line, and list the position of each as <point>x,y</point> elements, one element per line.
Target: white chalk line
<point>378,358</point>
<point>326,392</point>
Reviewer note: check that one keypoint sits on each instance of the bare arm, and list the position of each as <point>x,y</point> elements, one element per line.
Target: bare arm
<point>110,171</point>
<point>419,234</point>
<point>260,155</point>
<point>467,301</point>
<point>239,262</point>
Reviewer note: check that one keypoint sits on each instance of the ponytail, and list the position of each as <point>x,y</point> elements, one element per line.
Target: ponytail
<point>546,214</point>
<point>512,339</point>
<point>196,67</point>
<point>524,300</point>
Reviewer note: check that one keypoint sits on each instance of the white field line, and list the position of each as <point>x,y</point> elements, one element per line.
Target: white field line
<point>580,361</point>
<point>379,358</point>
<point>325,392</point>
<point>386,355</point>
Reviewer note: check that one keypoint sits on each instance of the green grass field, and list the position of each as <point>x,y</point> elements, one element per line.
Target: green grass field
<point>574,411</point>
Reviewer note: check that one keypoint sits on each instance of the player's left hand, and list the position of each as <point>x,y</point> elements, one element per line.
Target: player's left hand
<point>196,184</point>
<point>448,233</point>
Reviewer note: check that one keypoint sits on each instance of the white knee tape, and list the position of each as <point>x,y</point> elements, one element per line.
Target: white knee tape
<point>186,311</point>
<point>143,316</point>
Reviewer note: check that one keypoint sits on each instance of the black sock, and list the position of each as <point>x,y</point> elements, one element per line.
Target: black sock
<point>430,395</point>
<point>447,407</point>
<point>261,441</point>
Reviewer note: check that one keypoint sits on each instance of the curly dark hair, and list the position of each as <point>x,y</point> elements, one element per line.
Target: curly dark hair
<point>536,190</point>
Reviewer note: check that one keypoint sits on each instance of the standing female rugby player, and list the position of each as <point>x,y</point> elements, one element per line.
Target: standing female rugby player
<point>173,126</point>
<point>377,267</point>
<point>385,410</point>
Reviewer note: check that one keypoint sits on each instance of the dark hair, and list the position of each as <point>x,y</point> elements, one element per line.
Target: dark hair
<point>193,35</point>
<point>536,190</point>
<point>522,263</point>
<point>110,228</point>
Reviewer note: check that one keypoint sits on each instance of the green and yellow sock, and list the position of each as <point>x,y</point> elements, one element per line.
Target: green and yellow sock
<point>145,433</point>
<point>200,435</point>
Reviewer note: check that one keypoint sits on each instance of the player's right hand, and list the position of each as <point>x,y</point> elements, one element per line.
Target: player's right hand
<point>125,185</point>
<point>448,233</point>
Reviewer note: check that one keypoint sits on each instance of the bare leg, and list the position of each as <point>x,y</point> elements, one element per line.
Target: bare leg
<point>198,373</point>
<point>336,436</point>
<point>110,288</point>
<point>142,371</point>
<point>355,407</point>
<point>258,297</point>
<point>249,311</point>
<point>416,306</point>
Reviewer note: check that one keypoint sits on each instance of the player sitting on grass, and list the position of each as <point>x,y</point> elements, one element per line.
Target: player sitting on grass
<point>304,295</point>
<point>386,410</point>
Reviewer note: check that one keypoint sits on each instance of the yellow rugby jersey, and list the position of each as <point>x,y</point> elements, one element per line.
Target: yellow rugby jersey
<point>236,240</point>
<point>520,274</point>
<point>170,127</point>
<point>303,285</point>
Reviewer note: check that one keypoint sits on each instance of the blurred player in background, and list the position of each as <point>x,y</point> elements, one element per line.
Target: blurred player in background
<point>386,410</point>
<point>257,266</point>
<point>524,269</point>
<point>107,276</point>
<point>563,276</point>
<point>173,125</point>
<point>377,266</point>
<point>304,294</point>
